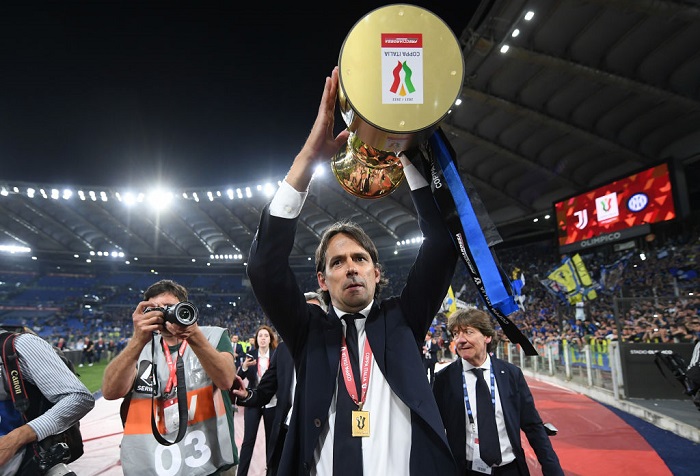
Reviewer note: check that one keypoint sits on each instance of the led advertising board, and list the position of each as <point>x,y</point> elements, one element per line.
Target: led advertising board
<point>616,211</point>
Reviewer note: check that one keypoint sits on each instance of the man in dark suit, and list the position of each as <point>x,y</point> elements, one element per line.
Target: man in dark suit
<point>474,335</point>
<point>390,424</point>
<point>238,351</point>
<point>430,350</point>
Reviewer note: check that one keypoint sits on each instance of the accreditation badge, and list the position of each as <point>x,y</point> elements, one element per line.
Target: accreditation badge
<point>478,465</point>
<point>171,415</point>
<point>360,423</point>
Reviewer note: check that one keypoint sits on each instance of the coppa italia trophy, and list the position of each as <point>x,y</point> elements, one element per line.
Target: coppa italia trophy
<point>400,71</point>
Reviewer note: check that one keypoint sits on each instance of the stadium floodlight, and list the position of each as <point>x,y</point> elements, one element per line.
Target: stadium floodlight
<point>159,199</point>
<point>15,249</point>
<point>129,199</point>
<point>269,190</point>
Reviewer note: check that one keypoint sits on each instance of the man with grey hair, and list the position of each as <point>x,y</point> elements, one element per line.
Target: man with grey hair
<point>509,404</point>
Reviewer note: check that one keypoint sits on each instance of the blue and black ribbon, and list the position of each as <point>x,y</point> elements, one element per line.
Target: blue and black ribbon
<point>462,221</point>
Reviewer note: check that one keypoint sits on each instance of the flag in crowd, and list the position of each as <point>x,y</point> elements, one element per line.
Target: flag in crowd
<point>449,304</point>
<point>571,282</point>
<point>611,274</point>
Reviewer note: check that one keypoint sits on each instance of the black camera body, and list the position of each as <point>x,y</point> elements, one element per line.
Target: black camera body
<point>183,313</point>
<point>52,461</point>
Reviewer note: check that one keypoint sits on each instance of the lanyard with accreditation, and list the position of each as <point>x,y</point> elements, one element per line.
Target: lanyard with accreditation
<point>174,395</point>
<point>360,417</point>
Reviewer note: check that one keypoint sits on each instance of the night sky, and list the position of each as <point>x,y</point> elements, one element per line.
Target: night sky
<point>110,93</point>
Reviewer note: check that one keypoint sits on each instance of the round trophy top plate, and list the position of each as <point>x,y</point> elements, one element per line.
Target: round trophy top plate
<point>401,68</point>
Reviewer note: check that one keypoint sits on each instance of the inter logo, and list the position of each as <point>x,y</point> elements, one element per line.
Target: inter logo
<point>637,202</point>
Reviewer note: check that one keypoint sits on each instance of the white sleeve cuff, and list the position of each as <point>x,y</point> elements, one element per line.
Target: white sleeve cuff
<point>287,202</point>
<point>413,177</point>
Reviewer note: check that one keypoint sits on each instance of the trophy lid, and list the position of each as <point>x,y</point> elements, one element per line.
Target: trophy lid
<point>401,68</point>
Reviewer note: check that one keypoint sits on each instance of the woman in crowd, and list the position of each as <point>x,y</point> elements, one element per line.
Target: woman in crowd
<point>256,362</point>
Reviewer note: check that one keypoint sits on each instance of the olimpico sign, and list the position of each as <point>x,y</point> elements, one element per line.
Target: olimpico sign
<point>606,239</point>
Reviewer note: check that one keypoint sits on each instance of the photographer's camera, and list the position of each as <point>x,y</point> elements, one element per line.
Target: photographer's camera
<point>184,313</point>
<point>52,461</point>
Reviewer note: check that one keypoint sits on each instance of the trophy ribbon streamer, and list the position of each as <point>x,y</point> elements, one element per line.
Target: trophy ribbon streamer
<point>459,216</point>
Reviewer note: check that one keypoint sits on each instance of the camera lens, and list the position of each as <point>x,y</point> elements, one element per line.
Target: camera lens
<point>186,313</point>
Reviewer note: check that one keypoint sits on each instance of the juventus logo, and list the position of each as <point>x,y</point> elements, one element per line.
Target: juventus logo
<point>582,216</point>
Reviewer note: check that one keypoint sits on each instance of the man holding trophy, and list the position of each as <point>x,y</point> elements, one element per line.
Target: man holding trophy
<point>362,403</point>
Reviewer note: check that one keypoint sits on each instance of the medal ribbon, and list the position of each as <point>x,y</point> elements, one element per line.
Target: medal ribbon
<point>348,376</point>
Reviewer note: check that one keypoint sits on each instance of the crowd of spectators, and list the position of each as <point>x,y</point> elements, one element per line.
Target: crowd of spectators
<point>655,301</point>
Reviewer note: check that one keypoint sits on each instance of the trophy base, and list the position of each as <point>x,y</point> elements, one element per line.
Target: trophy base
<point>366,172</point>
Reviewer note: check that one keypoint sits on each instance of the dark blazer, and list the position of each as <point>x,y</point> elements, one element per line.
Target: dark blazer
<point>276,381</point>
<point>238,349</point>
<point>432,352</point>
<point>518,410</point>
<point>393,328</point>
<point>252,372</point>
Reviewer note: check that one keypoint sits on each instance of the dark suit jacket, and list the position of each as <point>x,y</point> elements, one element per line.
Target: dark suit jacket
<point>393,327</point>
<point>518,410</point>
<point>432,352</point>
<point>251,373</point>
<point>238,349</point>
<point>276,381</point>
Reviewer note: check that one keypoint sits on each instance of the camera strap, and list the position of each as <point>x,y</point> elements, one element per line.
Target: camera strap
<point>178,379</point>
<point>13,374</point>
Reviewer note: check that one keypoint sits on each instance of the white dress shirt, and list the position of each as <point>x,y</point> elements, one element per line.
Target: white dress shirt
<point>507,455</point>
<point>388,448</point>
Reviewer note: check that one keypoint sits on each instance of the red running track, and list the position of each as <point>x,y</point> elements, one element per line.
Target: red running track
<point>592,440</point>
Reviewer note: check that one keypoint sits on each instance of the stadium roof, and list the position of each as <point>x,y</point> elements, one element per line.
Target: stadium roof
<point>586,92</point>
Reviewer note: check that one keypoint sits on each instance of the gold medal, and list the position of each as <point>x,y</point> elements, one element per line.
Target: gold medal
<point>360,423</point>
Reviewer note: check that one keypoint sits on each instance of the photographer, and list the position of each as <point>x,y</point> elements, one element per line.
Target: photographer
<point>170,354</point>
<point>71,400</point>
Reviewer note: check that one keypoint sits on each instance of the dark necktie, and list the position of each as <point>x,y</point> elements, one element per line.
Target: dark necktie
<point>489,446</point>
<point>353,352</point>
<point>347,450</point>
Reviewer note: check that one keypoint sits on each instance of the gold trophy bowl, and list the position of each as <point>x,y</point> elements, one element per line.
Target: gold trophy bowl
<point>400,70</point>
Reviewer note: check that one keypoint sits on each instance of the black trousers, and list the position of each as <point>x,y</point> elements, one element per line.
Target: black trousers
<point>510,469</point>
<point>251,420</point>
<point>273,461</point>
